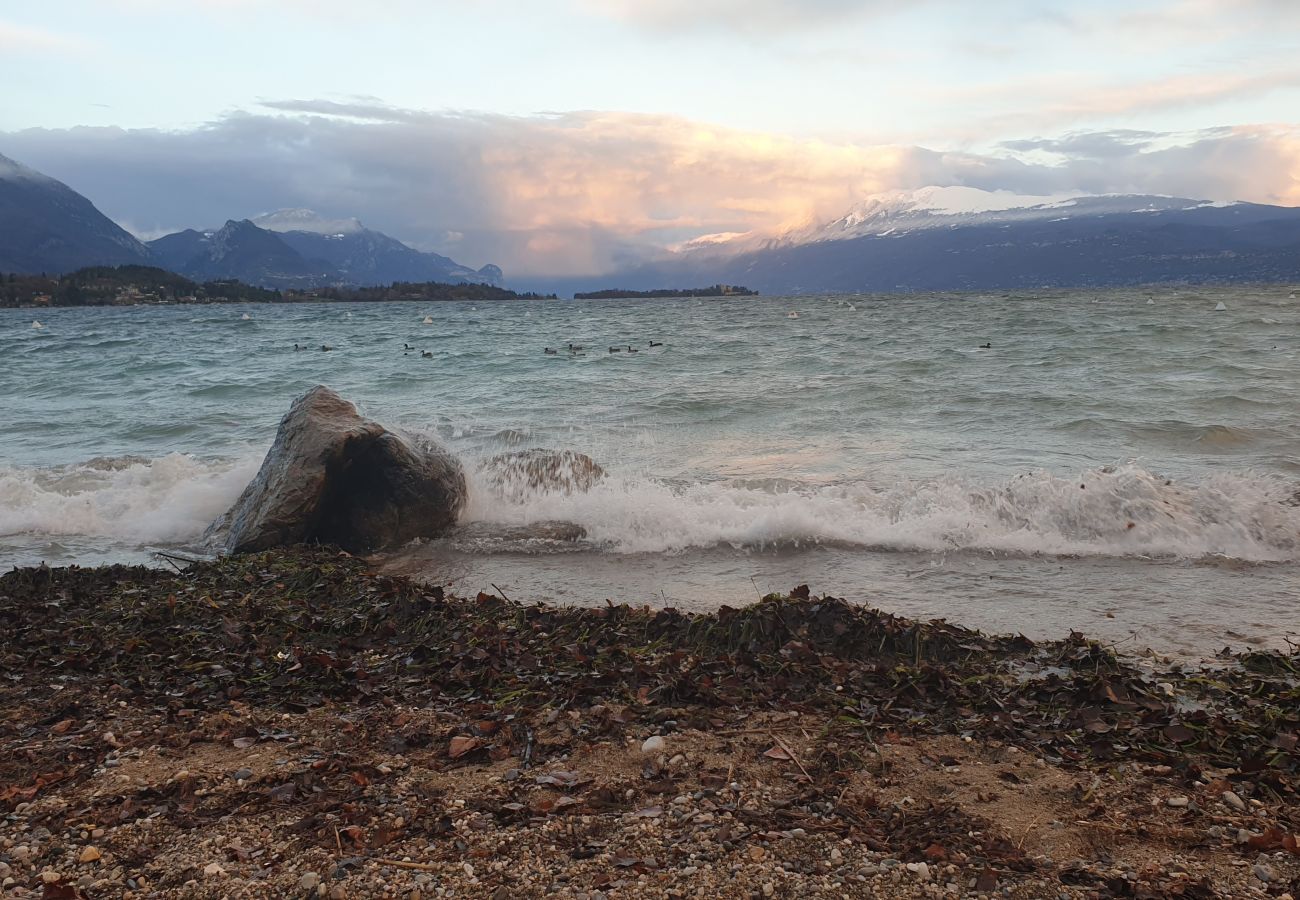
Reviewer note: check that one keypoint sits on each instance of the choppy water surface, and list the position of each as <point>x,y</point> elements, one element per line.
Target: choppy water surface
<point>1124,463</point>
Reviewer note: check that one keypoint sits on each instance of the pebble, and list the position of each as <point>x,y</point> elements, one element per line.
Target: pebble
<point>836,855</point>
<point>213,870</point>
<point>768,889</point>
<point>20,853</point>
<point>1231,799</point>
<point>1177,802</point>
<point>89,855</point>
<point>1264,872</point>
<point>653,744</point>
<point>242,774</point>
<point>308,881</point>
<point>49,876</point>
<point>920,870</point>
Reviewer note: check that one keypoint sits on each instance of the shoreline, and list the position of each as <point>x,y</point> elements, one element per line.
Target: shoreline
<point>292,724</point>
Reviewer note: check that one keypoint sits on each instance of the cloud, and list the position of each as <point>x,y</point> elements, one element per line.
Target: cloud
<point>588,192</point>
<point>736,15</point>
<point>15,38</point>
<point>1047,102</point>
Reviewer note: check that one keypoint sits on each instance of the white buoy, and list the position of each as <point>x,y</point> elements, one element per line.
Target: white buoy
<point>1220,307</point>
<point>428,320</point>
<point>246,317</point>
<point>1150,302</point>
<point>792,315</point>
<point>36,324</point>
<point>347,315</point>
<point>852,308</point>
<point>1291,296</point>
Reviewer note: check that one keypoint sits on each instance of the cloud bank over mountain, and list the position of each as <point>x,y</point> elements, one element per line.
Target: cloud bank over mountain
<point>586,192</point>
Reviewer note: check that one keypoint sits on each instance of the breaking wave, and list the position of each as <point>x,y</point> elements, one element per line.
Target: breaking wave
<point>1124,511</point>
<point>171,499</point>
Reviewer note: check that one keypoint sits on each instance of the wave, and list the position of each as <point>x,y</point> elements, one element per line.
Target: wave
<point>1125,511</point>
<point>171,499</point>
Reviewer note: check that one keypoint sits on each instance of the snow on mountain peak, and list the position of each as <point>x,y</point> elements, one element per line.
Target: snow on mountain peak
<point>899,212</point>
<point>307,220</point>
<point>709,240</point>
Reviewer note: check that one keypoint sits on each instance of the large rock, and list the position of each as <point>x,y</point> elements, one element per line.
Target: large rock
<point>334,477</point>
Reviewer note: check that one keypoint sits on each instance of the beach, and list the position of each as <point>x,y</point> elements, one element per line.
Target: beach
<point>293,724</point>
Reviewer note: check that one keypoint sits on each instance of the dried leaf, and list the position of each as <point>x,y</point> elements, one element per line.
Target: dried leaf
<point>460,745</point>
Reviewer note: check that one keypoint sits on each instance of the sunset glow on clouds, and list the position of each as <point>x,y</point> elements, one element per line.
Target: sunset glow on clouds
<point>675,119</point>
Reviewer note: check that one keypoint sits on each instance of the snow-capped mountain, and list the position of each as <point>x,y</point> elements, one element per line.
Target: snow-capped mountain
<point>956,206</point>
<point>901,212</point>
<point>242,251</point>
<point>955,238</point>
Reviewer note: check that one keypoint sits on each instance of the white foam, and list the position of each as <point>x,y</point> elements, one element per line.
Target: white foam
<point>171,499</point>
<point>1127,512</point>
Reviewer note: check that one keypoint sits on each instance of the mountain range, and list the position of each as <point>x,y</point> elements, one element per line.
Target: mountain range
<point>45,226</point>
<point>961,238</point>
<point>935,238</point>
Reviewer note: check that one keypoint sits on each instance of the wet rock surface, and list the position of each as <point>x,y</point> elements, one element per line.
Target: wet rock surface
<point>335,477</point>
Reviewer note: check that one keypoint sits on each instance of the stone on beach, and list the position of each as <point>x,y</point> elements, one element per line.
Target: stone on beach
<point>335,477</point>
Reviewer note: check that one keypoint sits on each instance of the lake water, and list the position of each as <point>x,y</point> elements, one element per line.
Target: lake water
<point>1124,463</point>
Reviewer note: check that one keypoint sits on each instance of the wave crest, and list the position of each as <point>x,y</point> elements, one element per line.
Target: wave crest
<point>1122,511</point>
<point>171,499</point>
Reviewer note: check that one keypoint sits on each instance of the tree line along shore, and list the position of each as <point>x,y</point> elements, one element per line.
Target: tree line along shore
<point>148,285</point>
<point>297,723</point>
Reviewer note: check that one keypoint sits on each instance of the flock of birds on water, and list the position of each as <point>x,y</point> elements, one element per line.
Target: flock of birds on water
<point>577,350</point>
<point>580,350</point>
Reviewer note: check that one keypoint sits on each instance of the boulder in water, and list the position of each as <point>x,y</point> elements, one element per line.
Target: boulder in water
<point>335,477</point>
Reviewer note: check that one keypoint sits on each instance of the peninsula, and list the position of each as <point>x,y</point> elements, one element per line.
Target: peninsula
<point>713,290</point>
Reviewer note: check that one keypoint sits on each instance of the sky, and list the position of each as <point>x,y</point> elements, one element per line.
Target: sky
<point>561,137</point>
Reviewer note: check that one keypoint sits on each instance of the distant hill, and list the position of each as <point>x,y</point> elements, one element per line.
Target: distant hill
<point>365,257</point>
<point>960,238</point>
<point>713,290</point>
<point>45,226</point>
<point>242,251</point>
<point>129,285</point>
<point>298,249</point>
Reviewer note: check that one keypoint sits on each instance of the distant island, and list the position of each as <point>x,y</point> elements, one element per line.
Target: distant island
<point>133,285</point>
<point>713,290</point>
